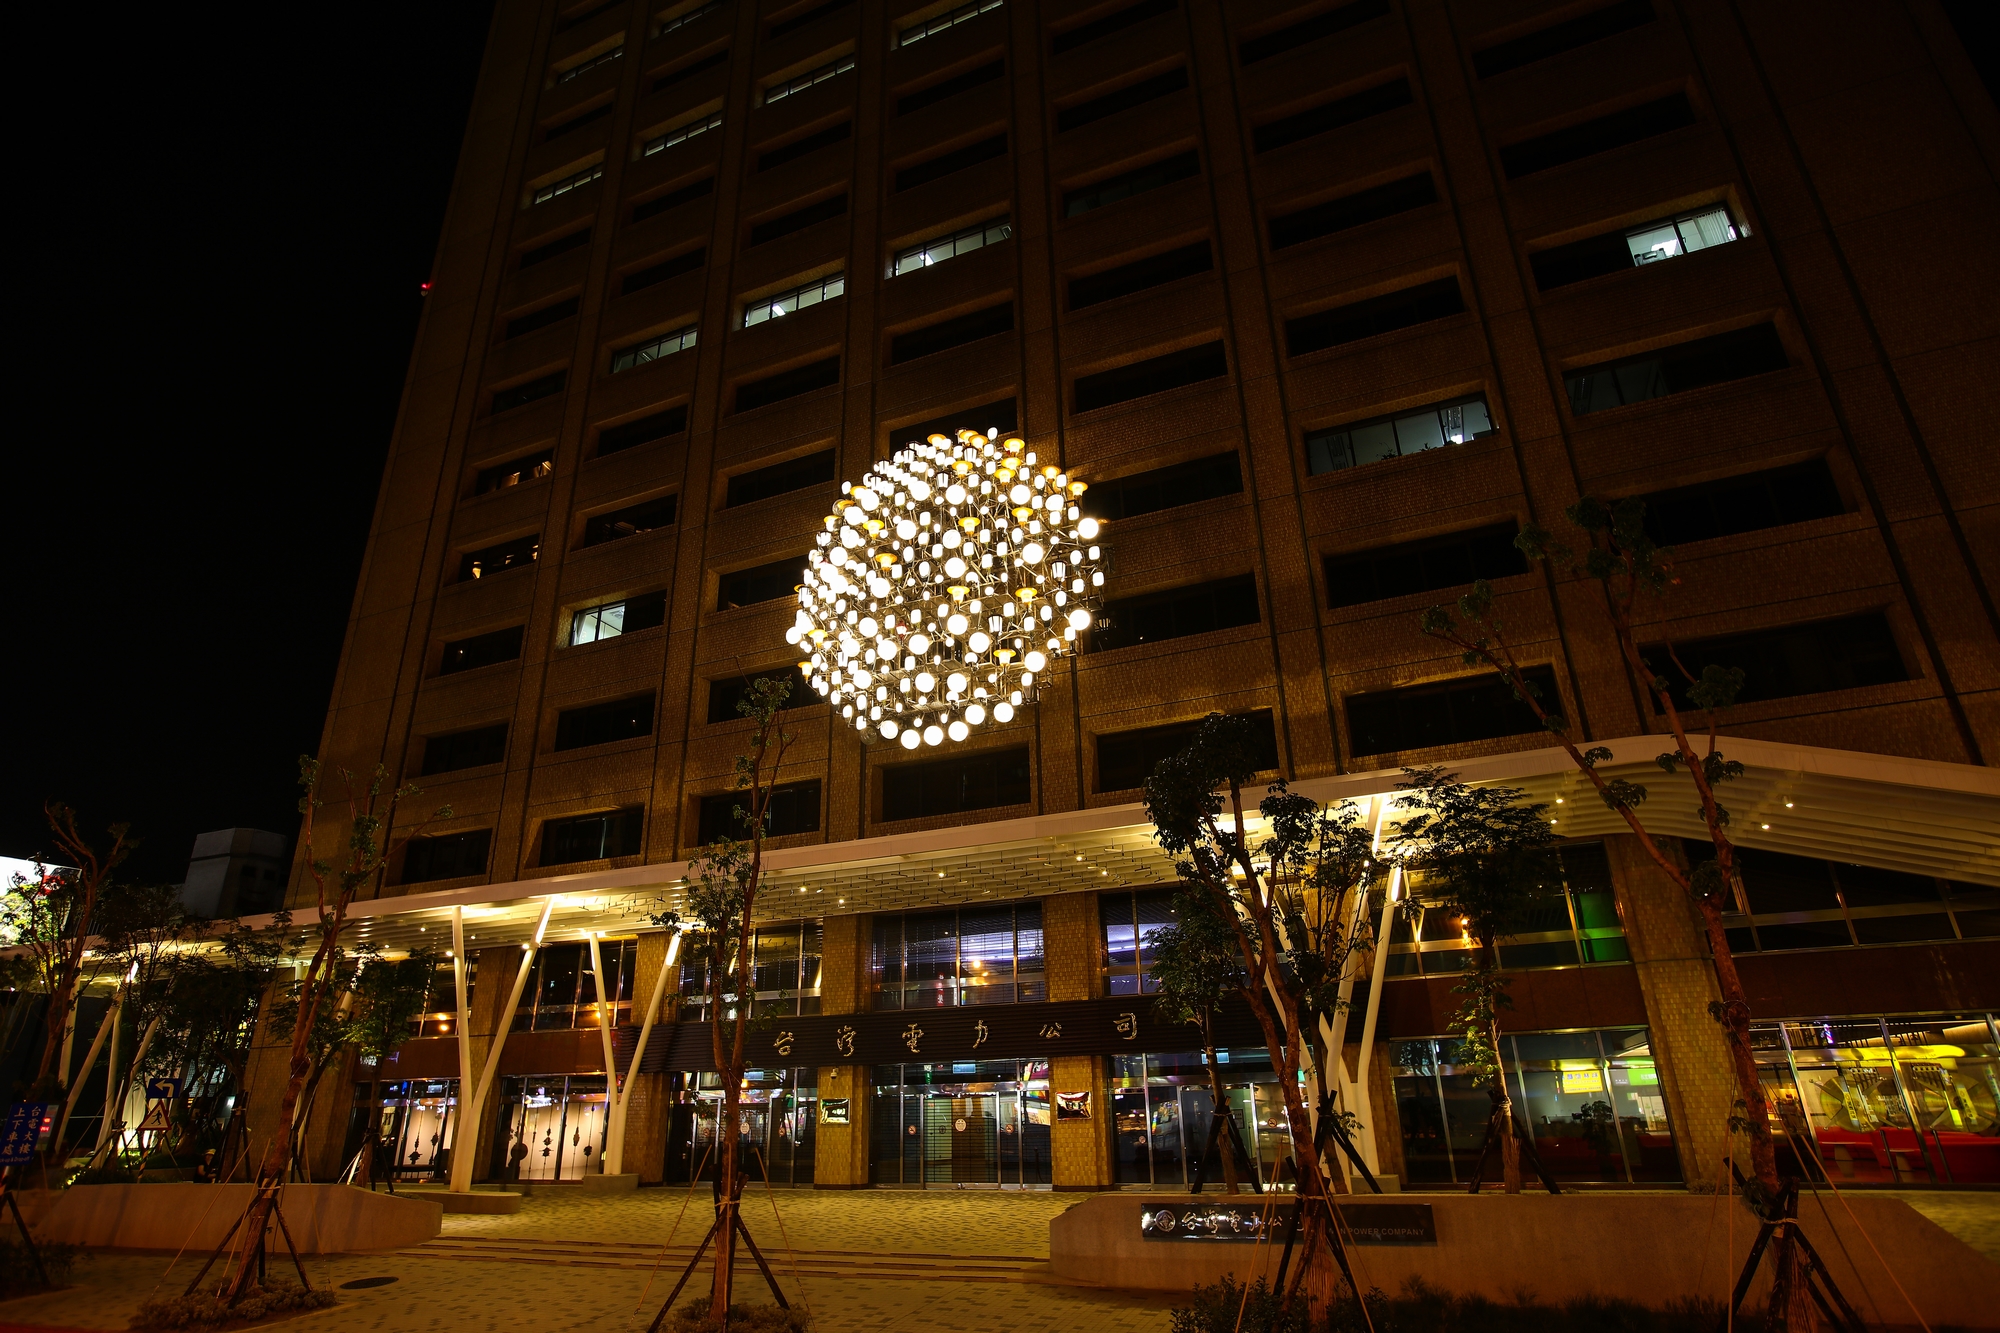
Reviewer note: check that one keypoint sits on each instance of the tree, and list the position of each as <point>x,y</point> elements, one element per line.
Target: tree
<point>1288,903</point>
<point>1197,968</point>
<point>207,1017</point>
<point>138,927</point>
<point>1483,854</point>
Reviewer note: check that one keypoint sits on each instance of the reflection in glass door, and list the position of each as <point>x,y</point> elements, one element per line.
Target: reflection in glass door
<point>978,1124</point>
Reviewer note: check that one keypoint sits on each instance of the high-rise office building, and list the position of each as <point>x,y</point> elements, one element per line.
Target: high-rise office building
<point>1325,302</point>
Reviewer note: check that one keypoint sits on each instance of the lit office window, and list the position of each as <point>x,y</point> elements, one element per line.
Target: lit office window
<point>556,189</point>
<point>682,20</point>
<point>1382,438</point>
<point>575,71</point>
<point>947,247</point>
<point>664,345</point>
<point>951,18</point>
<point>793,301</point>
<point>1681,235</point>
<point>682,134</point>
<point>832,69</point>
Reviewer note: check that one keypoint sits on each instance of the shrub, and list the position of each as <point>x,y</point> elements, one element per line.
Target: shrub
<point>205,1310</point>
<point>17,1270</point>
<point>1422,1308</point>
<point>693,1318</point>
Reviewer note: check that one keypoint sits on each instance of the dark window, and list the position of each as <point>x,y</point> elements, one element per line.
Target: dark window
<point>1003,416</point>
<point>1071,38</point>
<point>1596,136</point>
<point>1561,37</point>
<point>1309,30</point>
<point>1377,314</point>
<point>682,73</point>
<point>953,786</point>
<point>1425,566</point>
<point>516,554</point>
<point>958,159</point>
<point>1750,503</point>
<point>660,272</point>
<point>788,384</point>
<point>1718,359</point>
<point>682,20</point>
<point>501,645</point>
<point>951,87</point>
<point>660,203</point>
<point>949,333</point>
<point>541,319</point>
<point>600,724</point>
<point>1137,276</point>
<point>593,837</point>
<point>1136,181</point>
<point>446,856</point>
<point>465,749</point>
<point>1352,210</point>
<point>810,143</point>
<point>793,808</point>
<point>794,474</point>
<point>1634,247</point>
<point>1593,257</point>
<point>760,583</point>
<point>784,27</point>
<point>1791,660</point>
<point>598,112</point>
<point>631,520</point>
<point>1125,759</point>
<point>1122,99</point>
<point>631,434</point>
<point>514,472</point>
<point>798,219</point>
<point>520,395</point>
<point>1453,712</point>
<point>724,695</point>
<point>1176,613</point>
<point>582,16</point>
<point>1331,115</point>
<point>1154,375</point>
<point>1165,487</point>
<point>560,245</point>
<point>608,620</point>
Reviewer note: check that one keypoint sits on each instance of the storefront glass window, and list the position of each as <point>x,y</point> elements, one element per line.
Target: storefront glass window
<point>551,1127</point>
<point>1163,1109</point>
<point>562,990</point>
<point>1574,922</point>
<point>412,1121</point>
<point>970,1123</point>
<point>778,1111</point>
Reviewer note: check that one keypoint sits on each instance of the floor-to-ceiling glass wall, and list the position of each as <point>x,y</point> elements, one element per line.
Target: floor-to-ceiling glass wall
<point>551,1127</point>
<point>777,1114</point>
<point>413,1123</point>
<point>1163,1109</point>
<point>982,1123</point>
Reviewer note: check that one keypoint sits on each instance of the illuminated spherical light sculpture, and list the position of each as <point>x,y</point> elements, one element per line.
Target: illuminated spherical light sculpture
<point>944,585</point>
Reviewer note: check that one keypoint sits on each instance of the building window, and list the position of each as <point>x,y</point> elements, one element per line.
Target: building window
<point>724,695</point>
<point>1359,577</point>
<point>596,837</point>
<point>596,113</point>
<point>1453,712</point>
<point>576,180</point>
<point>760,583</point>
<point>794,474</point>
<point>1165,487</point>
<point>1140,379</point>
<point>502,645</point>
<point>821,374</point>
<point>936,168</point>
<point>793,808</point>
<point>681,134</point>
<point>1380,438</point>
<point>951,18</point>
<point>1615,252</point>
<point>985,954</point>
<point>984,780</point>
<point>1138,276</point>
<point>1799,902</point>
<point>631,434</point>
<point>1570,922</point>
<point>1293,36</point>
<point>520,395</point>
<point>1122,99</point>
<point>805,145</point>
<point>1377,315</point>
<point>784,973</point>
<point>1748,503</point>
<point>785,27</point>
<point>1000,417</point>
<point>516,554</point>
<point>798,220</point>
<point>698,12</point>
<point>446,856</point>
<point>1735,355</point>
<point>1125,759</point>
<point>831,69</point>
<point>560,245</point>
<point>1132,922</point>
<point>579,16</point>
<point>532,467</point>
<point>615,618</point>
<point>1176,613</point>
<point>1574,142</point>
<point>950,247</point>
<point>1330,116</point>
<point>1561,37</point>
<point>667,268</point>
<point>601,724</point>
<point>562,989</point>
<point>682,73</point>
<point>653,349</point>
<point>555,313</point>
<point>1099,194</point>
<point>1069,39</point>
<point>937,92</point>
<point>577,71</point>
<point>949,333</point>
<point>802,297</point>
<point>1791,660</point>
<point>1352,210</point>
<point>661,203</point>
<point>474,748</point>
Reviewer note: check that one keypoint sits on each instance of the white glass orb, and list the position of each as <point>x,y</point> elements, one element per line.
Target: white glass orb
<point>920,644</point>
<point>976,713</point>
<point>955,567</point>
<point>933,734</point>
<point>905,529</point>
<point>1079,619</point>
<point>794,634</point>
<point>956,682</point>
<point>889,728</point>
<point>911,740</point>
<point>978,643</point>
<point>957,624</point>
<point>958,731</point>
<point>1035,660</point>
<point>955,494</point>
<point>1003,712</point>
<point>1087,529</point>
<point>869,629</point>
<point>1032,553</point>
<point>926,681</point>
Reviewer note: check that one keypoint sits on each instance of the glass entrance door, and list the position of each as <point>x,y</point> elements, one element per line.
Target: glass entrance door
<point>960,1126</point>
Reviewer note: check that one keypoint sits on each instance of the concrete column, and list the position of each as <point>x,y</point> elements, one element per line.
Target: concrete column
<point>1073,941</point>
<point>1677,980</point>
<point>840,1152</point>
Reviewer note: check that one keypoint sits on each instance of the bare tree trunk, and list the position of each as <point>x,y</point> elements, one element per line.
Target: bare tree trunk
<point>1224,1144</point>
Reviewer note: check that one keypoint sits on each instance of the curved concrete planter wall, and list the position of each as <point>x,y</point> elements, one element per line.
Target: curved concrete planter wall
<point>323,1219</point>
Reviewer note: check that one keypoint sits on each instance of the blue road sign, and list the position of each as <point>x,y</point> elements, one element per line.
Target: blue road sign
<point>21,1133</point>
<point>162,1089</point>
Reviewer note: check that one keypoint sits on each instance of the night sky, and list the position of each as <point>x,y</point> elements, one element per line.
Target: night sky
<point>226,216</point>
